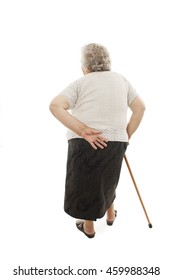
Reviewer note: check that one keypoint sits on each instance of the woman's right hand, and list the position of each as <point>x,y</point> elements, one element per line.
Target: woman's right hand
<point>94,138</point>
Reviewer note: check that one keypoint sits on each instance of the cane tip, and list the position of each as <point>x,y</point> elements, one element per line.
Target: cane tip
<point>150,225</point>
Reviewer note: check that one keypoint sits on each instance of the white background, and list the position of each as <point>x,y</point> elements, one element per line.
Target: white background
<point>40,55</point>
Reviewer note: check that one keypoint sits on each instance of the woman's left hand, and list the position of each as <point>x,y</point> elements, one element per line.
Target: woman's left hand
<point>94,138</point>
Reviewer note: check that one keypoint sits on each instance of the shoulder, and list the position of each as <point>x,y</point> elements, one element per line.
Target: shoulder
<point>119,76</point>
<point>76,83</point>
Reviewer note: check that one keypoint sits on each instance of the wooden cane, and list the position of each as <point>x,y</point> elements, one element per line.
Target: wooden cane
<point>130,171</point>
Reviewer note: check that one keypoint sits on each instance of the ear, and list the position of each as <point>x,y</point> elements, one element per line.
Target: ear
<point>85,70</point>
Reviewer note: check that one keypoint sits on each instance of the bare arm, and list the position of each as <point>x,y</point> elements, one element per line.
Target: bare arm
<point>138,107</point>
<point>59,108</point>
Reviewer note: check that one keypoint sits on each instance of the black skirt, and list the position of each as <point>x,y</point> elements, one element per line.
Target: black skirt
<point>92,177</point>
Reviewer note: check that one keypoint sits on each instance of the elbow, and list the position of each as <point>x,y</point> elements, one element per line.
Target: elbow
<point>56,109</point>
<point>57,104</point>
<point>141,110</point>
<point>51,107</point>
<point>143,107</point>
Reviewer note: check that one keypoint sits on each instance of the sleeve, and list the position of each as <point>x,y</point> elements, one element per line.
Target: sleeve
<point>71,93</point>
<point>131,94</point>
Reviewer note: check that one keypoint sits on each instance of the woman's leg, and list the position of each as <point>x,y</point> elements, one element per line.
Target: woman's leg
<point>89,227</point>
<point>111,213</point>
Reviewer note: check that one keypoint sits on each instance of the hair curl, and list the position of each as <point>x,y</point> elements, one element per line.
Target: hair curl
<point>95,57</point>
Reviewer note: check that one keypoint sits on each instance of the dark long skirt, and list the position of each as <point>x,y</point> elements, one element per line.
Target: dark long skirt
<point>92,177</point>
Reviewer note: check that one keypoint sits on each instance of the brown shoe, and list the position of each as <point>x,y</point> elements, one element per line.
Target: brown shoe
<point>80,226</point>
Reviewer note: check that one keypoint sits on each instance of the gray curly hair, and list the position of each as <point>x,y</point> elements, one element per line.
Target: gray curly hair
<point>95,57</point>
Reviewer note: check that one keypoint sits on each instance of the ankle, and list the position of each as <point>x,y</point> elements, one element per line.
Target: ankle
<point>89,227</point>
<point>110,214</point>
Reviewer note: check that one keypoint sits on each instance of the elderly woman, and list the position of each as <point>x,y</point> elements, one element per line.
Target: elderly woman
<point>98,135</point>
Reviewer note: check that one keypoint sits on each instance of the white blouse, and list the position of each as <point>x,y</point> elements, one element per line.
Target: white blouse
<point>100,100</point>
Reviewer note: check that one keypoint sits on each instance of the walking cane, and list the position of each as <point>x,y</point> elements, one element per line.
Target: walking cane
<point>128,166</point>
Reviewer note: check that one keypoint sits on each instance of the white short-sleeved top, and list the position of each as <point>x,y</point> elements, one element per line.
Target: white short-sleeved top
<point>100,100</point>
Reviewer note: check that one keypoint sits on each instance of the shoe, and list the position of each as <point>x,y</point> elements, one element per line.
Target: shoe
<point>110,223</point>
<point>80,226</point>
